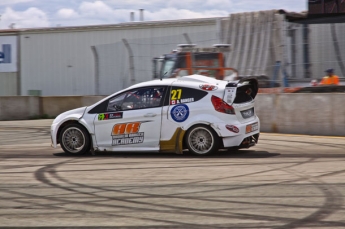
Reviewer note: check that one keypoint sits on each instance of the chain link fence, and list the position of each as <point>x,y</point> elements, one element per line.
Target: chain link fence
<point>124,63</point>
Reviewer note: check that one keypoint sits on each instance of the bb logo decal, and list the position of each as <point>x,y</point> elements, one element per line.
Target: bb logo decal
<point>180,113</point>
<point>126,128</point>
<point>127,133</point>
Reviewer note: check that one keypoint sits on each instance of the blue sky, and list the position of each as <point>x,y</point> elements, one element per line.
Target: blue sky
<point>51,13</point>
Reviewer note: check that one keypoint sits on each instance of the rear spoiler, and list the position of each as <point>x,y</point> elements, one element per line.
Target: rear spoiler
<point>254,85</point>
<point>248,86</point>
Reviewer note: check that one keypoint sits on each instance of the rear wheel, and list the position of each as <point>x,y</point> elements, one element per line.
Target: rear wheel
<point>202,140</point>
<point>75,140</point>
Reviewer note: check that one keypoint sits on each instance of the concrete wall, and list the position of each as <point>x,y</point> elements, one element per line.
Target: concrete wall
<point>28,107</point>
<point>314,114</point>
<point>55,105</point>
<point>19,107</point>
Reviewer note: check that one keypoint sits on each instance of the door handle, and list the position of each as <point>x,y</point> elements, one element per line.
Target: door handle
<point>150,115</point>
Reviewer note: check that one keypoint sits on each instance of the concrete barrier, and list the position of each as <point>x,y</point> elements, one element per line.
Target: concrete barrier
<point>55,105</point>
<point>310,113</point>
<point>19,107</point>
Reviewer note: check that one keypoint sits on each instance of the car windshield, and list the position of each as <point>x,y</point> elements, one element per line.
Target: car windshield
<point>168,68</point>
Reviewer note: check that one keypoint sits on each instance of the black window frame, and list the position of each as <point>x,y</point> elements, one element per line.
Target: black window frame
<point>168,97</point>
<point>103,107</point>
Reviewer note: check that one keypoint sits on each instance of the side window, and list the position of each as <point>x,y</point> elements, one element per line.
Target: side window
<point>115,104</point>
<point>185,95</point>
<point>137,99</point>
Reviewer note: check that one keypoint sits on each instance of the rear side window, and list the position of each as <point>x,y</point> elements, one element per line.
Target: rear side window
<point>185,95</point>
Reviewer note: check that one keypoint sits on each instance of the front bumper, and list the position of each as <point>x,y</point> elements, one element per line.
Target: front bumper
<point>53,135</point>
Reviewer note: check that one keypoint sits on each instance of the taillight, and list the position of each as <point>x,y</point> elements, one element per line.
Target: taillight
<point>221,106</point>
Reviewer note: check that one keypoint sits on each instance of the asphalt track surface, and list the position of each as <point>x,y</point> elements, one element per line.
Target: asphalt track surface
<point>286,181</point>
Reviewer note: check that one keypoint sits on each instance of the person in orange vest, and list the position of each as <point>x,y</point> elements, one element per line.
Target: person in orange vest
<point>330,78</point>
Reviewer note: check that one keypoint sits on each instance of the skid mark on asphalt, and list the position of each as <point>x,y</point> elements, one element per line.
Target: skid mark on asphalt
<point>333,201</point>
<point>183,210</point>
<point>142,200</point>
<point>93,200</point>
<point>340,145</point>
<point>51,170</point>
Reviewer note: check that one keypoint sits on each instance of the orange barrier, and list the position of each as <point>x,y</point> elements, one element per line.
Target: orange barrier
<point>276,90</point>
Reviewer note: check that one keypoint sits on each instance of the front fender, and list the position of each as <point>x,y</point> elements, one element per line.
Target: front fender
<point>72,115</point>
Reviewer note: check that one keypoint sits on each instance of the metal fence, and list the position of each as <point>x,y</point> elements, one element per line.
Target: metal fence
<point>124,63</point>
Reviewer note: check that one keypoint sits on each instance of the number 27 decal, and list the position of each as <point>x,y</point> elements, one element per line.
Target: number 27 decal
<point>176,94</point>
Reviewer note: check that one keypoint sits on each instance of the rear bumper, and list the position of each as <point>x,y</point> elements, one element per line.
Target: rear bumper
<point>249,141</point>
<point>242,139</point>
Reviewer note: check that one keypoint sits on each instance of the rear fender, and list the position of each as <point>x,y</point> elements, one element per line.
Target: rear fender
<point>207,120</point>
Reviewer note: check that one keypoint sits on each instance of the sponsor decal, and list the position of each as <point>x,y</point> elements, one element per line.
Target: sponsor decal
<point>232,128</point>
<point>127,133</point>
<point>179,113</point>
<point>229,95</point>
<point>176,94</point>
<point>177,101</point>
<point>113,115</point>
<point>208,87</point>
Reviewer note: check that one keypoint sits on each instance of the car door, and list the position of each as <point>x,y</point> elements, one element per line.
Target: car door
<point>132,121</point>
<point>182,106</point>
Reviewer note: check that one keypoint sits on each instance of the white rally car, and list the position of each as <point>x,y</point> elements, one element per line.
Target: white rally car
<point>195,112</point>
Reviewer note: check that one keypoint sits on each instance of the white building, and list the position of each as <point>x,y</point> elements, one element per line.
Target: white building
<point>66,60</point>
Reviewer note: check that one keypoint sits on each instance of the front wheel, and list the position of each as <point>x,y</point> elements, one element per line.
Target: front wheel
<point>75,139</point>
<point>202,140</point>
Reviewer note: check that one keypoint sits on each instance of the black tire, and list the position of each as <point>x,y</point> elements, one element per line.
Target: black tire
<point>202,140</point>
<point>75,139</point>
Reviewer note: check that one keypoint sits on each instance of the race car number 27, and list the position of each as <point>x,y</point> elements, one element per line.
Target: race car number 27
<point>176,94</point>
